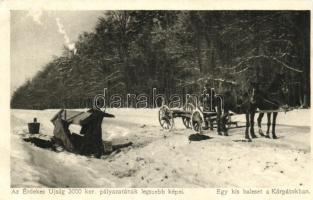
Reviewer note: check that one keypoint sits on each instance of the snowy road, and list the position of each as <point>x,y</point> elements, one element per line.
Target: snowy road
<point>165,159</point>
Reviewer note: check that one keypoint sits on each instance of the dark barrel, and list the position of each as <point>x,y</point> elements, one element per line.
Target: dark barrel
<point>33,128</point>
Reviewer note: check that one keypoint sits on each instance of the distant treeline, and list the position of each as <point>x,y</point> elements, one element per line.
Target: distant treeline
<point>175,52</point>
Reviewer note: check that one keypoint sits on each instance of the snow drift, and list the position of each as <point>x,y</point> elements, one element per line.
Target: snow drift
<point>159,158</point>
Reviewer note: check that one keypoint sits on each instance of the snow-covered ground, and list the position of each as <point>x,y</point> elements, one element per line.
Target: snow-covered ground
<point>165,159</point>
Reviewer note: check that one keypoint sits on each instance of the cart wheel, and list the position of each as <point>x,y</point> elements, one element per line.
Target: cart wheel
<point>196,121</point>
<point>186,120</point>
<point>166,118</point>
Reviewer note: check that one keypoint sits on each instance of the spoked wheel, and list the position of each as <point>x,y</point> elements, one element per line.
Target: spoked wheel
<point>186,120</point>
<point>166,118</point>
<point>196,121</point>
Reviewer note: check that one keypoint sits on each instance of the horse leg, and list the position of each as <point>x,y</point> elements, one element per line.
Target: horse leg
<point>247,137</point>
<point>211,124</point>
<point>268,125</point>
<point>252,114</point>
<point>218,121</point>
<point>260,117</point>
<point>206,125</point>
<point>224,125</point>
<point>274,125</point>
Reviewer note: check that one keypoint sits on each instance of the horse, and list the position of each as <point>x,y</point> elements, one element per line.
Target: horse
<point>272,99</point>
<point>239,102</point>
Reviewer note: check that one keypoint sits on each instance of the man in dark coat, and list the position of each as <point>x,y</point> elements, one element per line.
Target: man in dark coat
<point>92,131</point>
<point>208,101</point>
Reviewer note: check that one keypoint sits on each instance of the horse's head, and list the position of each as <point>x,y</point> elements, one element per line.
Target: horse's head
<point>253,92</point>
<point>253,97</point>
<point>272,92</point>
<point>278,89</point>
<point>284,87</point>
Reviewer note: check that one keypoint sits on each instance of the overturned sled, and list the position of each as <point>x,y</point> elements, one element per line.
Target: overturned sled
<point>89,141</point>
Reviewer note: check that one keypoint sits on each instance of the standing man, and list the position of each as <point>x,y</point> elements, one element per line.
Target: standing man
<point>92,131</point>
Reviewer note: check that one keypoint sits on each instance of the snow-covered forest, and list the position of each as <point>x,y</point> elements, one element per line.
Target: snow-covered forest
<point>135,51</point>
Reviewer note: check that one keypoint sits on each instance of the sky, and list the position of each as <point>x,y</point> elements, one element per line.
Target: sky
<point>37,36</point>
